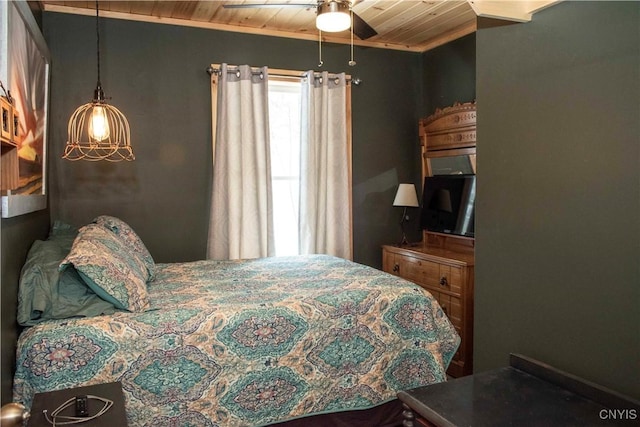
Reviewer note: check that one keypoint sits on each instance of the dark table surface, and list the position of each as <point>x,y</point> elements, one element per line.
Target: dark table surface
<point>511,396</point>
<point>115,416</point>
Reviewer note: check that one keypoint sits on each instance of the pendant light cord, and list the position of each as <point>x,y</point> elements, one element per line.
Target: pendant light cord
<point>98,41</point>
<point>320,62</point>
<point>352,62</point>
<point>99,93</point>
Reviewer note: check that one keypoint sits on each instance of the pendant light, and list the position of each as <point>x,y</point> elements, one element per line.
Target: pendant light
<point>97,130</point>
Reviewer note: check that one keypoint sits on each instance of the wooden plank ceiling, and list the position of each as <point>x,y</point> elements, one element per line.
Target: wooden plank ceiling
<point>409,25</point>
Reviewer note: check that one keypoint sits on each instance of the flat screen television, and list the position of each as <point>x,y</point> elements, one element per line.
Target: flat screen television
<point>448,204</point>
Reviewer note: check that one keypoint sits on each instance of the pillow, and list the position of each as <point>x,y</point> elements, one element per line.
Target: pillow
<point>44,293</point>
<point>105,265</point>
<point>130,239</point>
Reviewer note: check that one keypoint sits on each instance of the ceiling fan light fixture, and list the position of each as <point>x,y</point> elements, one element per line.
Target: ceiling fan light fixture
<point>333,16</point>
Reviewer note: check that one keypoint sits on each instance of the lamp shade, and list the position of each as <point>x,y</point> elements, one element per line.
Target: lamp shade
<point>98,131</point>
<point>406,196</point>
<point>333,16</point>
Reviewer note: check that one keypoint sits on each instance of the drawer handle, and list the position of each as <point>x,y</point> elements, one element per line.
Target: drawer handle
<point>396,268</point>
<point>443,281</point>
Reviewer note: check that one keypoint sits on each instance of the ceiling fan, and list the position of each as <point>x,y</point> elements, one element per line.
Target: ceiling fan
<point>332,15</point>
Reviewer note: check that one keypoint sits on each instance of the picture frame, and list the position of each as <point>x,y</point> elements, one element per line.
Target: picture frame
<point>24,72</point>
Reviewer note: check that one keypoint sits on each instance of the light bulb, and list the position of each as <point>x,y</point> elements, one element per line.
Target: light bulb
<point>333,22</point>
<point>333,16</point>
<point>98,124</point>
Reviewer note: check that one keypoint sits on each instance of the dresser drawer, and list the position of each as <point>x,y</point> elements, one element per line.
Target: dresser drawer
<point>432,275</point>
<point>448,276</point>
<point>452,307</point>
<point>452,140</point>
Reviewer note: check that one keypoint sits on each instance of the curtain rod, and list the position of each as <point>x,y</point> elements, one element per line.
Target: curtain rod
<point>291,74</point>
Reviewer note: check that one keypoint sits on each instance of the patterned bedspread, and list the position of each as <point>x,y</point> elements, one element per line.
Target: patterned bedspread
<point>248,343</point>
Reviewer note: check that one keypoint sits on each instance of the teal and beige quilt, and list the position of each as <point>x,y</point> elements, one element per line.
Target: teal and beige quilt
<point>249,343</point>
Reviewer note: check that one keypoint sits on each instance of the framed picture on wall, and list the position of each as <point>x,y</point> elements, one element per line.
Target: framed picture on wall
<point>24,73</point>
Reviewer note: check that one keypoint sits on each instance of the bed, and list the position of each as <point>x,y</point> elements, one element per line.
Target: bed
<point>222,343</point>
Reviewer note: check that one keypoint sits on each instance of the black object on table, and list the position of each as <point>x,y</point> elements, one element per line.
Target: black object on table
<point>527,393</point>
<point>49,401</point>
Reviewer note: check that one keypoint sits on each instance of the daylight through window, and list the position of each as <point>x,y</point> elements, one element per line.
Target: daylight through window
<point>284,130</point>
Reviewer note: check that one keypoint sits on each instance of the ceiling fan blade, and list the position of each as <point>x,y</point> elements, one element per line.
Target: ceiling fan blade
<point>362,29</point>
<point>267,5</point>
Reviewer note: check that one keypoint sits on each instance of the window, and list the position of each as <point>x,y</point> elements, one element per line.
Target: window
<point>284,132</point>
<point>302,200</point>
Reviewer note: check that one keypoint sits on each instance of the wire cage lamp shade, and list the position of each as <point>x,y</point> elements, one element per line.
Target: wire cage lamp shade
<point>97,130</point>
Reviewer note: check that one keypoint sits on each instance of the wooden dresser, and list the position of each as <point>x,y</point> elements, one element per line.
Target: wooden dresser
<point>448,276</point>
<point>443,263</point>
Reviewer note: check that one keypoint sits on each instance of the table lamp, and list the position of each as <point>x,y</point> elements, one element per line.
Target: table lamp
<point>406,197</point>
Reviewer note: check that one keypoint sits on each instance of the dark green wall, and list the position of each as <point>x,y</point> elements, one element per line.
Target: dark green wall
<point>558,215</point>
<point>156,75</point>
<point>449,74</point>
<point>16,237</point>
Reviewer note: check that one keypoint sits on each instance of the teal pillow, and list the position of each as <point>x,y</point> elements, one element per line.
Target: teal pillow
<point>131,240</point>
<point>74,298</point>
<point>105,265</point>
<point>45,293</point>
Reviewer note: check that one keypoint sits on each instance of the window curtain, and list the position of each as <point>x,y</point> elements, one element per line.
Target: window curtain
<point>325,167</point>
<point>241,222</point>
